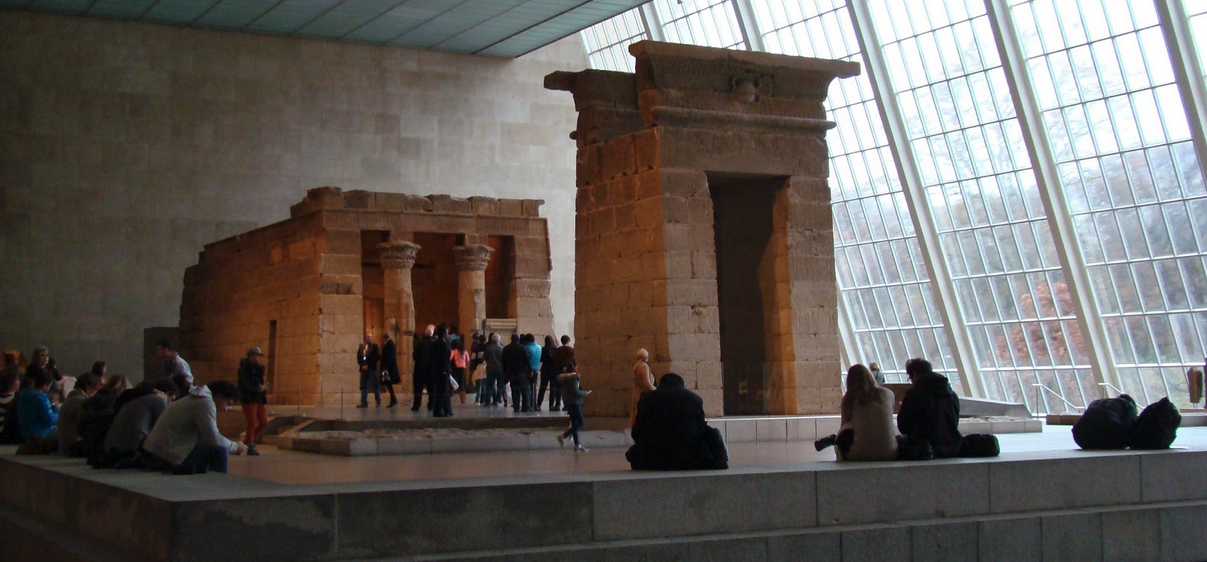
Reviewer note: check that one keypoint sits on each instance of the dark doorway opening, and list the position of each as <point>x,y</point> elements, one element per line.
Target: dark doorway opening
<point>434,280</point>
<point>742,227</point>
<point>500,278</point>
<point>373,281</point>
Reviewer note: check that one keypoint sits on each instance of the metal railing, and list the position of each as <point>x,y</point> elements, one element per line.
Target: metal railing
<point>1106,385</point>
<point>1039,401</point>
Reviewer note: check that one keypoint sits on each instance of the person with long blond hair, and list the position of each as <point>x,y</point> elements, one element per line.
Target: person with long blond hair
<point>643,382</point>
<point>867,432</point>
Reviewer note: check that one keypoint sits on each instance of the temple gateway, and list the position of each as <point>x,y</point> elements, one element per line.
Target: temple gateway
<point>306,289</point>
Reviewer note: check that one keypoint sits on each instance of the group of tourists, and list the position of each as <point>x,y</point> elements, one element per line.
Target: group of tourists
<point>169,424</point>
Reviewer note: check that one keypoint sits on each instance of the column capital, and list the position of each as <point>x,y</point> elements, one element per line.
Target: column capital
<point>398,255</point>
<point>472,257</point>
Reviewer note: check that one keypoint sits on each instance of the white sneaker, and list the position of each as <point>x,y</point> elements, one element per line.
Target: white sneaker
<point>580,449</point>
<point>561,441</point>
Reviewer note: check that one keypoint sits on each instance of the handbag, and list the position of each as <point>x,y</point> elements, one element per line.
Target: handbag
<point>453,383</point>
<point>385,377</point>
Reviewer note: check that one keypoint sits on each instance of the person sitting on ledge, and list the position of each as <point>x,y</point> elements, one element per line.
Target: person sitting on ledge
<point>185,440</point>
<point>134,420</point>
<point>670,432</point>
<point>930,411</point>
<point>35,414</point>
<point>867,432</point>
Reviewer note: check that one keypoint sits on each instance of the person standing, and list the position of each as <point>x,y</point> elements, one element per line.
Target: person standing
<point>877,374</point>
<point>534,365</point>
<point>459,358</point>
<point>549,373</point>
<point>492,354</point>
<point>440,373</point>
<point>516,367</point>
<point>368,357</point>
<point>389,366</point>
<point>564,359</point>
<point>643,382</point>
<point>174,366</point>
<point>253,392</point>
<point>421,355</point>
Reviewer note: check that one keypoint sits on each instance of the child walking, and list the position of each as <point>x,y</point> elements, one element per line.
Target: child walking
<point>572,398</point>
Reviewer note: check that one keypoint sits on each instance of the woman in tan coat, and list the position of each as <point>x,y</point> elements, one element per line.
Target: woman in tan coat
<point>643,382</point>
<point>867,432</point>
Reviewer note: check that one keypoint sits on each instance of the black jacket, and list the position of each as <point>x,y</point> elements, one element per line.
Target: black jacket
<point>421,354</point>
<point>669,431</point>
<point>389,361</point>
<point>251,378</point>
<point>439,367</point>
<point>930,412</point>
<point>515,363</point>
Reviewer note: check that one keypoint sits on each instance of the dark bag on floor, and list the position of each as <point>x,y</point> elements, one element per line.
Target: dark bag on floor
<point>717,453</point>
<point>39,446</point>
<point>1105,424</point>
<point>1157,426</point>
<point>979,445</point>
<point>914,450</point>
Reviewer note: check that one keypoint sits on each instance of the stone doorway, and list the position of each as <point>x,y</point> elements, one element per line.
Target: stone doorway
<point>373,279</point>
<point>434,279</point>
<point>743,209</point>
<point>500,278</point>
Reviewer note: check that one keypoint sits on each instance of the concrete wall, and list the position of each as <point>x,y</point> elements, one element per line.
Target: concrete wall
<point>125,147</point>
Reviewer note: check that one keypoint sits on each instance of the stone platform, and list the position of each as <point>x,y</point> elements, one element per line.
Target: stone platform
<point>1192,418</point>
<point>1042,500</point>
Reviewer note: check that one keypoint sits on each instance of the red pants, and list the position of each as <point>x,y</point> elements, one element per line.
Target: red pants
<point>257,418</point>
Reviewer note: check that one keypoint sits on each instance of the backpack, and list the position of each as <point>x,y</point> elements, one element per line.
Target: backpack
<point>980,445</point>
<point>1157,426</point>
<point>1105,424</point>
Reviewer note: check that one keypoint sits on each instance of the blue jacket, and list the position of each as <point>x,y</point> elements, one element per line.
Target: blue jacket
<point>37,417</point>
<point>534,355</point>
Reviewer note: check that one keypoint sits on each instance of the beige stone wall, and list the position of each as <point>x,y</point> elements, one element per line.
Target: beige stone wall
<point>649,144</point>
<point>126,147</point>
<point>241,285</point>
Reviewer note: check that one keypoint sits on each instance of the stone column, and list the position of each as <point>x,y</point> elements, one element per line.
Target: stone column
<point>471,297</point>
<point>397,259</point>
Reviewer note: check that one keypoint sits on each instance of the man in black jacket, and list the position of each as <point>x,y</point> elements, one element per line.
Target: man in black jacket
<point>516,367</point>
<point>421,354</point>
<point>368,357</point>
<point>670,432</point>
<point>930,411</point>
<point>389,366</point>
<point>253,392</point>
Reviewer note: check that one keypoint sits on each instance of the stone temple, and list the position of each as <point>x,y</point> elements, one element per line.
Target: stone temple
<point>306,289</point>
<point>704,230</point>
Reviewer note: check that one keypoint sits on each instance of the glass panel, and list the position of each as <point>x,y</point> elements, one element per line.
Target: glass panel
<point>888,292</point>
<point>608,42</point>
<point>979,183</point>
<point>1130,184</point>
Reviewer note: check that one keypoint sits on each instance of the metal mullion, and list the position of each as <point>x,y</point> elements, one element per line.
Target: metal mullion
<point>748,25</point>
<point>649,19</point>
<point>1188,72</point>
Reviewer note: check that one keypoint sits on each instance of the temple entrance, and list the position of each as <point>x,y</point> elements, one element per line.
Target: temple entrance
<point>374,281</point>
<point>742,226</point>
<point>434,279</point>
<point>500,278</point>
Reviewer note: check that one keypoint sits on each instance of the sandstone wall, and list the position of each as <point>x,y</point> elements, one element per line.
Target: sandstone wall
<point>125,147</point>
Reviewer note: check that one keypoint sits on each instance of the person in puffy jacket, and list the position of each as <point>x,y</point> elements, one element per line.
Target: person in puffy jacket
<point>930,411</point>
<point>35,414</point>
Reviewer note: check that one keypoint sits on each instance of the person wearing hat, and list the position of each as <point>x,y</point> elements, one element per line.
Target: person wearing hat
<point>253,393</point>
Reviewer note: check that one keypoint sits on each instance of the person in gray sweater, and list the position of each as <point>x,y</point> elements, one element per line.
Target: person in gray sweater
<point>185,440</point>
<point>134,420</point>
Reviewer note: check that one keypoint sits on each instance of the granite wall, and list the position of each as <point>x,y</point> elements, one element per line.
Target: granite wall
<point>124,147</point>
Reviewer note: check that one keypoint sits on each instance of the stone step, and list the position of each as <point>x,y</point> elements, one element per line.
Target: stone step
<point>1068,494</point>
